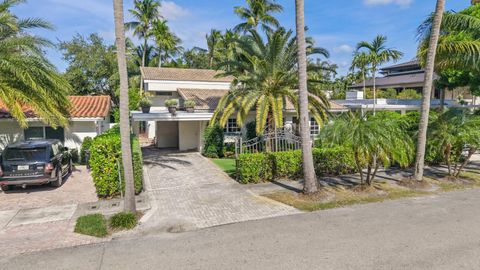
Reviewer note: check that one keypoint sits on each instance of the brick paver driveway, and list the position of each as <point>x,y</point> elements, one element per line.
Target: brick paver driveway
<point>188,191</point>
<point>42,217</point>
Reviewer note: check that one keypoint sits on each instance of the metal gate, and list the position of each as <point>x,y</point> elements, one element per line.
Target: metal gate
<point>279,140</point>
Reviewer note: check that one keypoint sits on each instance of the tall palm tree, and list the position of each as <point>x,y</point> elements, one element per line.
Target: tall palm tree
<point>258,12</point>
<point>310,179</point>
<point>266,79</point>
<point>213,41</point>
<point>378,54</point>
<point>145,12</point>
<point>27,78</point>
<point>427,89</point>
<point>361,62</point>
<point>168,44</point>
<point>130,205</point>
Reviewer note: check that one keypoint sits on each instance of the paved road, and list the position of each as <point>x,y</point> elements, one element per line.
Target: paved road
<point>438,232</point>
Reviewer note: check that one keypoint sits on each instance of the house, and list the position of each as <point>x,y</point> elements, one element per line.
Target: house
<point>184,131</point>
<point>89,117</point>
<point>409,75</point>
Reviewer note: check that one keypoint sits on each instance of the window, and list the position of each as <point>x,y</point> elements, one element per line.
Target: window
<point>33,133</point>
<point>232,126</point>
<point>163,93</point>
<point>314,128</point>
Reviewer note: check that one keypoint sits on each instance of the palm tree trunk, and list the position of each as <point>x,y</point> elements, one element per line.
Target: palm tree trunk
<point>159,57</point>
<point>427,88</point>
<point>364,82</point>
<point>374,92</point>
<point>124,112</point>
<point>310,179</point>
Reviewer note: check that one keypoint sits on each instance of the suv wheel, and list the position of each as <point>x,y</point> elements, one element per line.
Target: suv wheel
<point>59,180</point>
<point>5,187</point>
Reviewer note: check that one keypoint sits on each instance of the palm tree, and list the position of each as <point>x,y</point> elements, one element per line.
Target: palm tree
<point>258,12</point>
<point>28,79</point>
<point>265,78</point>
<point>378,140</point>
<point>213,41</point>
<point>378,54</point>
<point>427,89</point>
<point>361,62</point>
<point>168,44</point>
<point>310,179</point>
<point>145,13</point>
<point>124,111</point>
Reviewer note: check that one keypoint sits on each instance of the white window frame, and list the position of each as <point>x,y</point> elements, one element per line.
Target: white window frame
<point>314,128</point>
<point>231,127</point>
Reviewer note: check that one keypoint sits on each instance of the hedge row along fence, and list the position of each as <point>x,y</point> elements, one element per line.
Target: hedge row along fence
<point>258,167</point>
<point>105,158</point>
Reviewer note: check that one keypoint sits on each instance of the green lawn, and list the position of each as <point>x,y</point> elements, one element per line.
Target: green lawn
<point>227,165</point>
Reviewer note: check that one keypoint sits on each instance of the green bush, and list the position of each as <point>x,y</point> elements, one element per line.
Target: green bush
<point>255,168</point>
<point>258,167</point>
<point>123,221</point>
<point>333,161</point>
<point>105,158</point>
<point>87,142</point>
<point>287,164</point>
<point>93,225</point>
<point>214,139</point>
<point>74,155</point>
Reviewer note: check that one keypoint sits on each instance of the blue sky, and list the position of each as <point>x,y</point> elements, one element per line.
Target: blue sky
<point>337,25</point>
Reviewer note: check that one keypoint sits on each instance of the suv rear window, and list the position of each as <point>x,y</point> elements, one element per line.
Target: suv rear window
<point>22,154</point>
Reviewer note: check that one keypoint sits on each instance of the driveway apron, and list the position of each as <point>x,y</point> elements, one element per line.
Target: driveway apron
<point>188,191</point>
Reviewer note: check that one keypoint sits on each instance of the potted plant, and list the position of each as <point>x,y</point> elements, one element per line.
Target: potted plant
<point>145,104</point>
<point>172,105</point>
<point>190,106</point>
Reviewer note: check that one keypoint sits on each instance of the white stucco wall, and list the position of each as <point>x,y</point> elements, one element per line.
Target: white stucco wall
<point>77,131</point>
<point>189,132</point>
<point>10,132</point>
<point>159,101</point>
<point>174,85</point>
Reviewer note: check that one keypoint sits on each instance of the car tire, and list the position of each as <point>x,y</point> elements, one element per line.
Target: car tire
<point>58,182</point>
<point>5,188</point>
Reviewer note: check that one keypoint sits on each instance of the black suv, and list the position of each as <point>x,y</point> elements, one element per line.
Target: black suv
<point>34,162</point>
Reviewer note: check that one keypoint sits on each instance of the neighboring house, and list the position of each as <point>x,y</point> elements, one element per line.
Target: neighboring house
<point>89,117</point>
<point>409,75</point>
<point>184,131</point>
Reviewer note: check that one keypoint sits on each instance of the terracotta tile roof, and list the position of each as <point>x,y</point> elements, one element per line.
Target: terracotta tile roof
<point>205,99</point>
<point>82,107</point>
<point>183,74</point>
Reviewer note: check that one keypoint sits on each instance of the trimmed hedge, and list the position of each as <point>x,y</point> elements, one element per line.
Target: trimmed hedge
<point>255,168</point>
<point>105,156</point>
<point>258,167</point>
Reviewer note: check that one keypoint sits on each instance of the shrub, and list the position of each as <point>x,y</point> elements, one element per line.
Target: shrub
<point>74,155</point>
<point>145,102</point>
<point>105,158</point>
<point>213,138</point>
<point>87,142</point>
<point>333,161</point>
<point>93,225</point>
<point>255,168</point>
<point>171,103</point>
<point>123,221</point>
<point>409,94</point>
<point>287,164</point>
<point>189,104</point>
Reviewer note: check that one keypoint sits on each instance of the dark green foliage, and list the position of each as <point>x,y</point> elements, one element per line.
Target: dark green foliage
<point>105,157</point>
<point>214,139</point>
<point>255,168</point>
<point>93,225</point>
<point>123,221</point>
<point>251,133</point>
<point>87,142</point>
<point>333,161</point>
<point>287,164</point>
<point>75,156</point>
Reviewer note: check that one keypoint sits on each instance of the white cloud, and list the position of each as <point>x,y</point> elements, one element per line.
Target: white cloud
<point>172,11</point>
<point>402,3</point>
<point>344,48</point>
